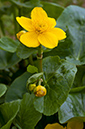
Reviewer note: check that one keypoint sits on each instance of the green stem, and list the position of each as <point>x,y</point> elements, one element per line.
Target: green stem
<point>31,60</point>
<point>39,57</point>
<point>15,22</point>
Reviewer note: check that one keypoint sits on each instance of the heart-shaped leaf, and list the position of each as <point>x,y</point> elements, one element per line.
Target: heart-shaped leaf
<point>59,75</point>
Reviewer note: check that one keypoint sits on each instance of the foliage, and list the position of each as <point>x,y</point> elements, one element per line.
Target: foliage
<point>62,74</point>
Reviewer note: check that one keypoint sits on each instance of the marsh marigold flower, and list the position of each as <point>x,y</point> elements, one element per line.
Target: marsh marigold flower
<point>72,124</point>
<point>40,91</point>
<point>40,30</point>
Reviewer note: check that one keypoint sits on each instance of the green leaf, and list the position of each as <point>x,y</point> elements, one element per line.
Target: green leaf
<point>32,69</point>
<point>3,89</point>
<point>28,117</point>
<point>80,77</point>
<point>77,89</point>
<point>71,16</point>
<point>7,59</point>
<point>72,19</point>
<point>53,10</point>
<point>73,107</point>
<point>8,112</point>
<point>20,4</point>
<point>17,88</point>
<point>59,75</point>
<point>24,52</point>
<point>8,44</point>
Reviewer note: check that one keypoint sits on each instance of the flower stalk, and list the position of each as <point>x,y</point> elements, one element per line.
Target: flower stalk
<point>39,58</point>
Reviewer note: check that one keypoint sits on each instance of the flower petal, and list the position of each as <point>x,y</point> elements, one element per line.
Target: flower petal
<point>38,13</point>
<point>51,22</point>
<point>59,33</point>
<point>48,39</point>
<point>75,124</point>
<point>54,126</point>
<point>30,39</point>
<point>26,23</point>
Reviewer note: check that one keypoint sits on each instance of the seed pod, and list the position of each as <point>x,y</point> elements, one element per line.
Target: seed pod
<point>40,91</point>
<point>20,33</point>
<point>32,86</point>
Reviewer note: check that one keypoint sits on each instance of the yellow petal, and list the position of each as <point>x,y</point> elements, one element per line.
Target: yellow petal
<point>48,39</point>
<point>54,126</point>
<point>75,124</point>
<point>29,39</point>
<point>38,13</point>
<point>59,33</point>
<point>26,23</point>
<point>51,23</point>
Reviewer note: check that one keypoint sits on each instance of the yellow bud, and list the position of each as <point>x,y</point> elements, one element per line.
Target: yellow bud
<point>40,91</point>
<point>32,86</point>
<point>20,33</point>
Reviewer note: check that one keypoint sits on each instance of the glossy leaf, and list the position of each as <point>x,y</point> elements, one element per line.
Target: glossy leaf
<point>24,52</point>
<point>8,112</point>
<point>73,107</point>
<point>59,75</point>
<point>8,44</point>
<point>7,59</point>
<point>71,16</point>
<point>28,117</point>
<point>72,19</point>
<point>17,88</point>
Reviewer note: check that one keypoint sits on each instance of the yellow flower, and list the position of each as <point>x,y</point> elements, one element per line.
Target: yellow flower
<point>72,124</point>
<point>40,91</point>
<point>40,30</point>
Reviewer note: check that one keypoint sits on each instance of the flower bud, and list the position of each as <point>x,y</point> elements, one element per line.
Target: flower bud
<point>40,91</point>
<point>32,86</point>
<point>20,33</point>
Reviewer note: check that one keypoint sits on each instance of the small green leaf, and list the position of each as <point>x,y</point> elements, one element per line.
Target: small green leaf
<point>24,52</point>
<point>28,117</point>
<point>3,89</point>
<point>73,107</point>
<point>17,88</point>
<point>8,112</point>
<point>8,44</point>
<point>32,69</point>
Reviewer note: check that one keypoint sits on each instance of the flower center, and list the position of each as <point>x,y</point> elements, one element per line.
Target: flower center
<point>40,26</point>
